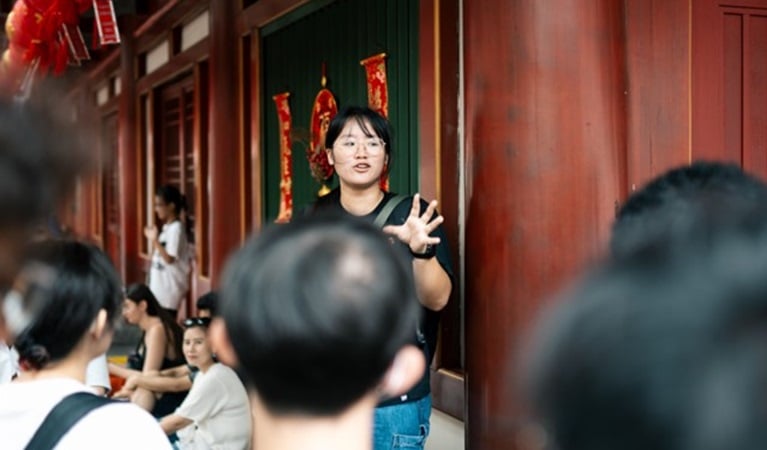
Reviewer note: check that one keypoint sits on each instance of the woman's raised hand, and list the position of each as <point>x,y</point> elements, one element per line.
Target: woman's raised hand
<point>416,229</point>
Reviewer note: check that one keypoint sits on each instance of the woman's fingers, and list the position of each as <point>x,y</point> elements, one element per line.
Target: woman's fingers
<point>415,208</point>
<point>426,216</point>
<point>431,226</point>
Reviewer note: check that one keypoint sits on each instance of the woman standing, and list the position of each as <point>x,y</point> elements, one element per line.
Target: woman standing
<point>216,413</point>
<point>78,290</point>
<point>158,349</point>
<point>359,146</point>
<point>169,274</point>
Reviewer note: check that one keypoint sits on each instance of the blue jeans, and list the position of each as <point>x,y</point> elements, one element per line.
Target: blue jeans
<point>402,426</point>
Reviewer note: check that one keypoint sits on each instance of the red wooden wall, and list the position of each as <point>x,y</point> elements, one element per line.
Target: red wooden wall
<point>729,81</point>
<point>545,149</point>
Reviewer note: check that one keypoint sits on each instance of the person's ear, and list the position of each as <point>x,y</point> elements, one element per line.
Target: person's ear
<point>404,372</point>
<point>99,324</point>
<point>220,343</point>
<point>329,152</point>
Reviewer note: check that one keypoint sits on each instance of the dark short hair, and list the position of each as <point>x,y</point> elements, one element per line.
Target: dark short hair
<point>663,348</point>
<point>209,301</point>
<point>316,311</point>
<point>672,193</point>
<point>83,282</point>
<point>363,115</point>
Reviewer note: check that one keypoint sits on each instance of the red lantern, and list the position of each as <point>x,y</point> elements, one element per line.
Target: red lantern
<point>21,25</point>
<point>34,31</point>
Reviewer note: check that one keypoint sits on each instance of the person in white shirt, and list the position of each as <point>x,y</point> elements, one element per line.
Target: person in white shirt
<point>216,413</point>
<point>97,375</point>
<point>169,274</point>
<point>78,292</point>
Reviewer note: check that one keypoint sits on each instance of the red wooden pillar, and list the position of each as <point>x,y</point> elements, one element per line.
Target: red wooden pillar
<point>224,157</point>
<point>128,158</point>
<point>545,162</point>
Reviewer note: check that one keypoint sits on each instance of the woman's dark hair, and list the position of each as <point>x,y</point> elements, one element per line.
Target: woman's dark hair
<point>172,196</point>
<point>363,116</point>
<point>138,292</point>
<point>82,282</point>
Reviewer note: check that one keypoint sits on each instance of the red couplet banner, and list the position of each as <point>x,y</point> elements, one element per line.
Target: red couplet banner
<point>106,22</point>
<point>286,155</point>
<point>378,93</point>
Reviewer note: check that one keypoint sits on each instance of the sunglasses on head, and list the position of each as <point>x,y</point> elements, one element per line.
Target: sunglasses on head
<point>197,322</point>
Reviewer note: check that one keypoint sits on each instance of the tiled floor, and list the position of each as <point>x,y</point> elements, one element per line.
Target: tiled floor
<point>446,433</point>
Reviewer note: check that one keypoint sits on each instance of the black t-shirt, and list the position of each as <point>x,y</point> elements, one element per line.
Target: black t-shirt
<point>429,319</point>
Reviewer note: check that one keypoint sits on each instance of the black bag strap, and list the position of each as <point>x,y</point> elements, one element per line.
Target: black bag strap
<point>64,416</point>
<point>386,211</point>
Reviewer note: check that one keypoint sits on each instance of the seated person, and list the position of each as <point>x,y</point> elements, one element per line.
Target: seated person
<point>216,413</point>
<point>174,379</point>
<point>158,349</point>
<point>318,316</point>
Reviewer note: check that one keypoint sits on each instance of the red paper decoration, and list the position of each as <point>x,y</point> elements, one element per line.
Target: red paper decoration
<point>378,93</point>
<point>37,43</point>
<point>286,165</point>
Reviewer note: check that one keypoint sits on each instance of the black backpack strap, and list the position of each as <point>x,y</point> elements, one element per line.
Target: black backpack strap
<point>386,211</point>
<point>64,416</point>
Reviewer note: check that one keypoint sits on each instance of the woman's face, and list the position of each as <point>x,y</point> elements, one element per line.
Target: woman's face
<point>197,351</point>
<point>359,160</point>
<point>162,209</point>
<point>132,311</point>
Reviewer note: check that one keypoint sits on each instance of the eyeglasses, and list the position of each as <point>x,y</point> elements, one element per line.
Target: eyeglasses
<point>197,322</point>
<point>372,145</point>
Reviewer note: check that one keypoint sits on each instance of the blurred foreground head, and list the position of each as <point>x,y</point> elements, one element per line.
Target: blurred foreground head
<point>673,194</point>
<point>317,312</point>
<point>45,145</point>
<point>663,348</point>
